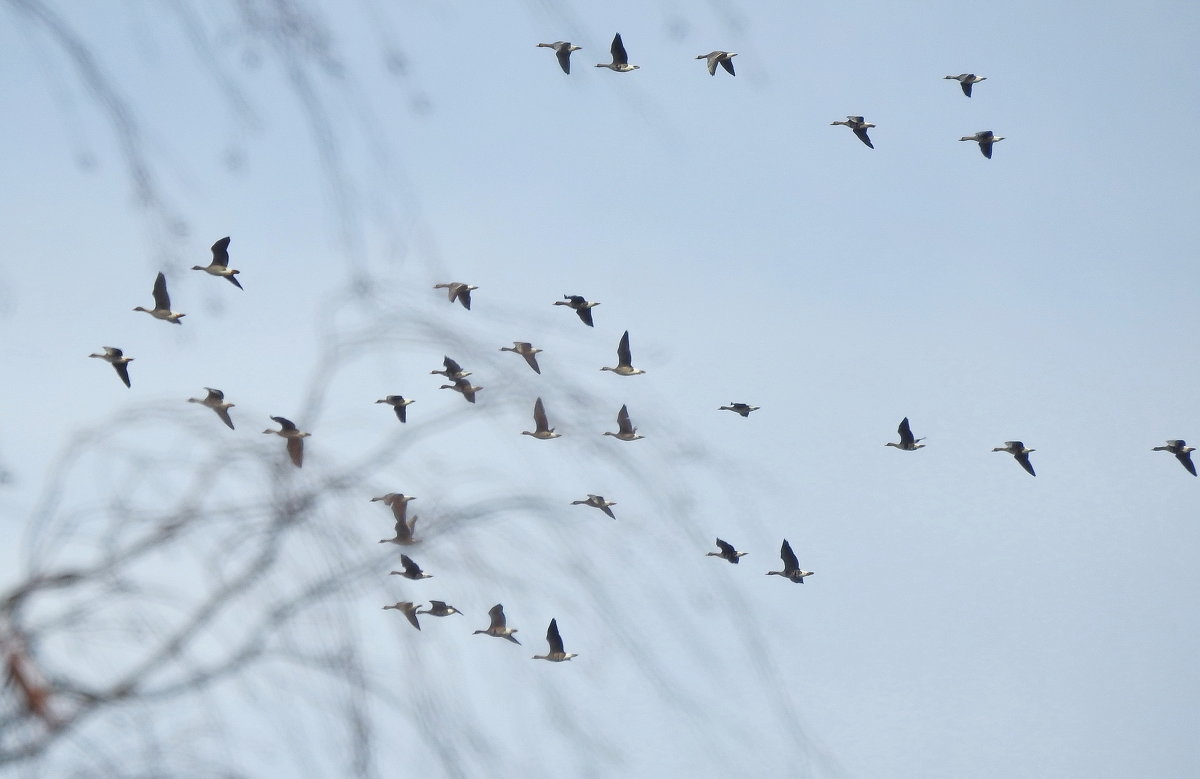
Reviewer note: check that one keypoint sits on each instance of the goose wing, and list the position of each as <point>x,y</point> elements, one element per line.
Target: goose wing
<point>161,299</point>
<point>623,355</point>
<point>553,638</point>
<point>122,369</point>
<point>497,614</point>
<point>564,57</point>
<point>539,416</point>
<point>410,568</point>
<point>906,434</point>
<point>861,132</point>
<point>295,447</point>
<point>790,563</point>
<point>585,315</point>
<point>220,252</point>
<point>1023,459</point>
<point>223,413</point>
<point>726,548</point>
<point>1185,459</point>
<point>620,57</point>
<point>624,423</point>
<point>451,366</point>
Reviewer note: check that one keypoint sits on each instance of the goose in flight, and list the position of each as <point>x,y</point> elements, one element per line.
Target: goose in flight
<point>581,306</point>
<point>526,350</point>
<point>727,552</point>
<point>597,501</point>
<point>907,442</point>
<point>620,59</point>
<point>465,387</point>
<point>985,139</point>
<point>1018,450</point>
<point>117,359</point>
<point>625,429</point>
<point>439,608</point>
<point>556,653</point>
<point>791,566</point>
<point>562,50</point>
<point>410,612</point>
<point>404,526</point>
<point>860,127</point>
<point>499,626</point>
<point>162,303</point>
<point>452,370</point>
<point>220,263</point>
<point>456,290</point>
<point>295,439</point>
<point>1182,452</point>
<point>398,404</point>
<point>739,408</point>
<point>624,360</point>
<point>725,58</point>
<point>215,399</point>
<point>542,429</point>
<point>965,80</point>
<point>411,570</point>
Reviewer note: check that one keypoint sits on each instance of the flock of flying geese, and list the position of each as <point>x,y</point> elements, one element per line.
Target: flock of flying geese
<point>620,64</point>
<point>461,293</point>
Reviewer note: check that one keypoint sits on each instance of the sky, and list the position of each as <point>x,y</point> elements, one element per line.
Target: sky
<point>964,619</point>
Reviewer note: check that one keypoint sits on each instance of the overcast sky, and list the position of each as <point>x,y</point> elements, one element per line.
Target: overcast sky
<point>965,619</point>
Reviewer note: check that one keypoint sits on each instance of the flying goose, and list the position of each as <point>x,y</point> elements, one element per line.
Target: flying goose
<point>398,404</point>
<point>581,306</point>
<point>1018,450</point>
<point>1180,449</point>
<point>985,139</point>
<point>452,370</point>
<point>526,350</point>
<point>410,611</point>
<point>739,408</point>
<point>464,386</point>
<point>216,401</point>
<point>542,429</point>
<point>860,127</point>
<point>404,526</point>
<point>907,442</point>
<point>117,359</point>
<point>499,628</point>
<point>162,303</point>
<point>727,552</point>
<point>791,567</point>
<point>723,57</point>
<point>620,59</point>
<point>439,608</point>
<point>556,653</point>
<point>295,439</point>
<point>562,50</point>
<point>965,80</point>
<point>596,501</point>
<point>411,570</point>
<point>220,263</point>
<point>456,290</point>
<point>624,360</point>
<point>625,429</point>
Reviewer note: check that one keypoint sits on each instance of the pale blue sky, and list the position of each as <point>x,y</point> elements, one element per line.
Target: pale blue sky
<point>965,619</point>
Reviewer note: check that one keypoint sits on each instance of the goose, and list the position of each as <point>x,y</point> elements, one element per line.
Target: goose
<point>727,552</point>
<point>467,389</point>
<point>117,359</point>
<point>597,501</point>
<point>498,627</point>
<point>620,59</point>
<point>1182,452</point>
<point>791,567</point>
<point>404,526</point>
<point>162,303</point>
<point>216,401</point>
<point>456,290</point>
<point>410,611</point>
<point>556,653</point>
<point>526,350</point>
<point>452,370</point>
<point>439,608</point>
<point>562,50</point>
<point>965,80</point>
<point>411,570</point>
<point>625,429</point>
<point>723,57</point>
<point>624,361</point>
<point>295,439</point>
<point>907,442</point>
<point>739,408</point>
<point>542,429</point>
<point>220,263</point>
<point>985,139</point>
<point>398,404</point>
<point>581,306</point>
<point>1018,450</point>
<point>859,127</point>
